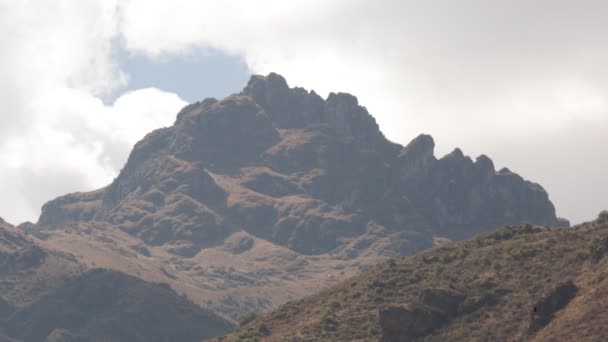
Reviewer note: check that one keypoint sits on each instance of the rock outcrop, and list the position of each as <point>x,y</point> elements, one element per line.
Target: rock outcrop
<point>554,300</point>
<point>400,324</point>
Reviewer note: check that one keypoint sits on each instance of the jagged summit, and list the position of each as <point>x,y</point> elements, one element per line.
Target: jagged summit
<point>299,108</point>
<point>422,145</point>
<point>328,150</point>
<point>289,108</point>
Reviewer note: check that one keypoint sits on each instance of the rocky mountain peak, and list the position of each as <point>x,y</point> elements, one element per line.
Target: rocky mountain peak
<point>416,158</point>
<point>259,84</point>
<point>291,108</point>
<point>422,146</point>
<point>485,166</point>
<point>455,154</point>
<point>352,121</point>
<point>288,166</point>
<point>288,107</point>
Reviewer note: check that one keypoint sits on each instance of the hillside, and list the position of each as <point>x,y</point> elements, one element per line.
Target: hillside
<point>102,305</point>
<point>519,283</point>
<point>275,193</point>
<point>48,295</point>
<point>29,271</point>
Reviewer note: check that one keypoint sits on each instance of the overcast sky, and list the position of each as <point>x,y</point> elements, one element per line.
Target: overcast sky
<point>525,82</point>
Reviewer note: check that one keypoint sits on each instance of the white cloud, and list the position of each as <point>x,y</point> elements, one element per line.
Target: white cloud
<point>57,136</point>
<point>76,144</point>
<point>504,78</point>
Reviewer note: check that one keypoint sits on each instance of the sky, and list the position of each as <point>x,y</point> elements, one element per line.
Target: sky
<point>525,82</point>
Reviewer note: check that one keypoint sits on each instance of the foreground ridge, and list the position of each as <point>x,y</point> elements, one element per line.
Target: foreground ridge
<point>519,283</point>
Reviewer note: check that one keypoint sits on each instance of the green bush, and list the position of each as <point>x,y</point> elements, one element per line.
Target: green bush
<point>603,217</point>
<point>582,255</point>
<point>247,318</point>
<point>263,330</point>
<point>496,265</point>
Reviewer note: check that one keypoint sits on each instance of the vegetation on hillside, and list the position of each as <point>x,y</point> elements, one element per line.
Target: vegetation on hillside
<point>519,283</point>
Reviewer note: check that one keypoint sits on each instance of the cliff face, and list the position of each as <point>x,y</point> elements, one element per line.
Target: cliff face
<point>307,173</point>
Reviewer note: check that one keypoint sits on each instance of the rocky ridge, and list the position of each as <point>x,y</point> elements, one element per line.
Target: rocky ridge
<point>306,173</point>
<point>520,283</point>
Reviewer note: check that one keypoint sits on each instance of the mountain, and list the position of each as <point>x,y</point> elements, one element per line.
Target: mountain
<point>275,193</point>
<point>520,283</point>
<point>302,172</point>
<point>47,295</point>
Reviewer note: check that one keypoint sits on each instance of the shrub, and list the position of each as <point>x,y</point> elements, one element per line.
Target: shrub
<point>439,269</point>
<point>263,330</point>
<point>496,265</point>
<point>485,261</point>
<point>248,318</point>
<point>603,217</point>
<point>582,255</point>
<point>335,305</point>
<point>599,247</point>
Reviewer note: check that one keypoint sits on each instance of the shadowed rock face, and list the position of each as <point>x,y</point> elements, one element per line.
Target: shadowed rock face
<point>292,168</point>
<point>406,324</point>
<point>435,308</point>
<point>553,301</point>
<point>5,309</point>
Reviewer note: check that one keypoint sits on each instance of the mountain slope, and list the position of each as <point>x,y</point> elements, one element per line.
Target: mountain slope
<point>274,193</point>
<point>48,295</point>
<point>29,271</point>
<point>102,305</point>
<point>518,283</point>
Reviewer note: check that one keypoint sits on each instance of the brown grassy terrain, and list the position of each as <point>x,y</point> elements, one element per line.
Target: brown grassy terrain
<point>518,283</point>
<point>49,295</point>
<point>243,274</point>
<point>28,271</point>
